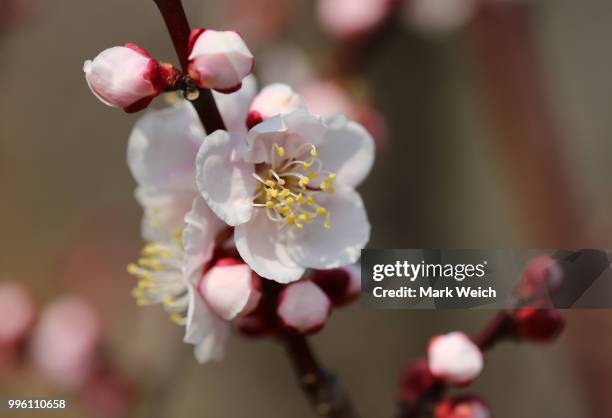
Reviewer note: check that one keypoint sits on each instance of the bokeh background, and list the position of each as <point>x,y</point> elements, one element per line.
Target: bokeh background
<point>446,177</point>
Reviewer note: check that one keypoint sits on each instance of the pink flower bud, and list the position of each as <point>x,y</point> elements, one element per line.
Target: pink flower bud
<point>462,407</point>
<point>538,325</point>
<point>273,100</point>
<point>541,276</point>
<point>454,358</point>
<point>342,285</point>
<point>124,76</point>
<point>438,16</point>
<point>347,19</point>
<point>17,312</point>
<point>219,60</point>
<point>414,382</point>
<point>230,288</point>
<point>303,307</point>
<point>65,340</point>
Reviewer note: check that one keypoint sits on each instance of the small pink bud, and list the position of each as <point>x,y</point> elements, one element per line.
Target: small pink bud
<point>414,382</point>
<point>17,312</point>
<point>538,325</point>
<point>273,100</point>
<point>438,16</point>
<point>454,358</point>
<point>124,76</point>
<point>341,285</point>
<point>541,276</point>
<point>230,288</point>
<point>462,407</point>
<point>348,19</point>
<point>65,340</point>
<point>303,307</point>
<point>219,60</point>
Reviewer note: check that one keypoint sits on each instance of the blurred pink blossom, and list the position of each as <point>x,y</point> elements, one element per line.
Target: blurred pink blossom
<point>17,312</point>
<point>108,393</point>
<point>65,340</point>
<point>259,20</point>
<point>347,19</point>
<point>454,359</point>
<point>438,16</point>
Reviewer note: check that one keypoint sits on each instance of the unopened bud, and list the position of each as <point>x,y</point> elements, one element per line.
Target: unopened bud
<point>303,307</point>
<point>538,325</point>
<point>218,60</point>
<point>462,407</point>
<point>454,358</point>
<point>124,76</point>
<point>273,100</point>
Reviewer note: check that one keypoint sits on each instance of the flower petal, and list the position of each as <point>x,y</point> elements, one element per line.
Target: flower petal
<point>234,107</point>
<point>320,248</point>
<point>202,227</point>
<point>162,147</point>
<point>224,179</point>
<point>228,289</point>
<point>289,131</point>
<point>205,330</point>
<point>348,150</point>
<point>165,211</point>
<point>259,242</point>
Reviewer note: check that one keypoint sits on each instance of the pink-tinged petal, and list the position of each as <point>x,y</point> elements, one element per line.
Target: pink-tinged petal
<point>303,307</point>
<point>219,60</point>
<point>205,329</point>
<point>230,290</point>
<point>124,76</point>
<point>163,146</point>
<point>261,246</point>
<point>65,340</point>
<point>275,99</point>
<point>454,358</point>
<point>17,310</point>
<point>234,107</point>
<point>201,228</point>
<point>317,247</point>
<point>290,131</point>
<point>347,19</point>
<point>224,179</point>
<point>348,150</point>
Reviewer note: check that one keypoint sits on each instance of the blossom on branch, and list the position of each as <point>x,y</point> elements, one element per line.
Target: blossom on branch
<point>288,189</point>
<point>454,358</point>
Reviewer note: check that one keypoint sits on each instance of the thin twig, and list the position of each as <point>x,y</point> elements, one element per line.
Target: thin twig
<point>203,101</point>
<point>324,391</point>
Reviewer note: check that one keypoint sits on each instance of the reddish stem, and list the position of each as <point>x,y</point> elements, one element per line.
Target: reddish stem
<point>324,391</point>
<point>178,27</point>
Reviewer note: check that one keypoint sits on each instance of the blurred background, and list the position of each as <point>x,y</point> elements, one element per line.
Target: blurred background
<point>493,130</point>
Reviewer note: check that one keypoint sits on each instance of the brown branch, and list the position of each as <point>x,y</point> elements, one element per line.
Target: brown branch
<point>324,391</point>
<point>202,100</point>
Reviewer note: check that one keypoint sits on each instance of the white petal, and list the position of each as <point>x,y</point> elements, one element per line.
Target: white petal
<point>202,227</point>
<point>205,330</point>
<point>234,107</point>
<point>348,151</point>
<point>228,289</point>
<point>276,99</point>
<point>163,146</point>
<point>289,131</point>
<point>303,306</point>
<point>165,211</point>
<point>260,245</point>
<point>320,248</point>
<point>224,179</point>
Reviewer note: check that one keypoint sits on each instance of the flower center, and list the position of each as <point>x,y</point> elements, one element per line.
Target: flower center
<point>160,280</point>
<point>290,184</point>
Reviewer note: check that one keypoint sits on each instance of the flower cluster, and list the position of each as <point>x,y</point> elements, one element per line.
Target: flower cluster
<point>454,359</point>
<point>270,197</point>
